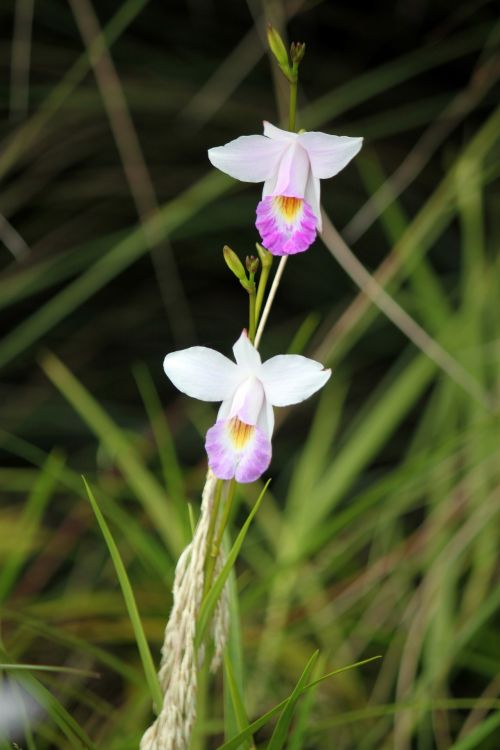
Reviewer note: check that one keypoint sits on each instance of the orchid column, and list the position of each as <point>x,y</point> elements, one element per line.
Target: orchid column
<point>239,444</point>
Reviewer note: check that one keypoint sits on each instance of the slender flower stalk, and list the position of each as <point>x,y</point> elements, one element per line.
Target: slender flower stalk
<point>270,299</point>
<point>214,546</point>
<point>252,264</point>
<point>210,534</point>
<point>266,260</point>
<point>251,315</point>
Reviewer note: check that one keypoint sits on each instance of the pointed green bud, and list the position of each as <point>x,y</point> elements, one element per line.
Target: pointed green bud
<point>252,263</point>
<point>265,257</point>
<point>277,47</point>
<point>234,263</point>
<point>297,52</point>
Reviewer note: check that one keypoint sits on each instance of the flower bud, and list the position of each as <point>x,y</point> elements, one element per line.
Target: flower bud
<point>234,263</point>
<point>265,257</point>
<point>252,263</point>
<point>297,52</point>
<point>277,47</point>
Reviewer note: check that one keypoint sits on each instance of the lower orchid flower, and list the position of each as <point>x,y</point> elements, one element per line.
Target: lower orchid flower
<point>239,443</point>
<point>291,166</point>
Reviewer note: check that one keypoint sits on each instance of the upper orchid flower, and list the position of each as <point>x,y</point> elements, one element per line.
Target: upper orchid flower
<point>291,166</point>
<point>239,443</point>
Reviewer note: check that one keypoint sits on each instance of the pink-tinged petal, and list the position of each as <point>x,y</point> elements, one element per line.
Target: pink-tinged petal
<point>250,158</point>
<point>277,133</point>
<point>225,408</point>
<point>270,185</point>
<point>266,419</point>
<point>282,175</point>
<point>245,354</point>
<point>286,225</point>
<point>293,172</point>
<point>291,378</point>
<point>203,373</point>
<point>312,196</point>
<point>248,400</point>
<point>329,154</point>
<point>238,450</point>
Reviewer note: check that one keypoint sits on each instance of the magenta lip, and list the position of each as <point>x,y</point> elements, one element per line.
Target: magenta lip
<point>280,235</point>
<point>227,462</point>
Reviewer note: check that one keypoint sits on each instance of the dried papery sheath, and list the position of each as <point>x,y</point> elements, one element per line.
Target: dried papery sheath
<point>180,659</point>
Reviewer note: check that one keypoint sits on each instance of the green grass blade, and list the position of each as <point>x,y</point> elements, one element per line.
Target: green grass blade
<point>235,742</point>
<point>303,720</point>
<point>30,520</point>
<point>121,256</point>
<point>31,129</point>
<point>388,75</point>
<point>71,728</point>
<point>142,482</point>
<point>128,595</point>
<point>47,668</point>
<point>234,654</point>
<point>77,737</point>
<point>236,700</point>
<point>478,734</point>
<point>280,733</point>
<point>171,469</point>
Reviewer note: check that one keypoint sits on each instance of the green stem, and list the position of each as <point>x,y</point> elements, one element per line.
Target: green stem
<point>225,517</point>
<point>264,276</point>
<point>252,321</point>
<point>213,545</point>
<point>210,536</point>
<point>293,97</point>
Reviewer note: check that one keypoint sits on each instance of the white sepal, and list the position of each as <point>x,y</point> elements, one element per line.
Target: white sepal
<point>290,378</point>
<point>249,158</point>
<point>245,354</point>
<point>278,134</point>
<point>329,154</point>
<point>202,373</point>
<point>312,196</point>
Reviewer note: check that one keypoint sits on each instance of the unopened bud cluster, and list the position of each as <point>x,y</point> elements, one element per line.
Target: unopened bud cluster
<point>277,46</point>
<point>252,265</point>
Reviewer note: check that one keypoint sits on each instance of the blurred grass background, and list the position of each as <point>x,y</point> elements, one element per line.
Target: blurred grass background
<point>380,532</point>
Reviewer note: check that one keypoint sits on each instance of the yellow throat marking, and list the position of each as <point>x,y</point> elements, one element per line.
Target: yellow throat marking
<point>288,207</point>
<point>240,432</point>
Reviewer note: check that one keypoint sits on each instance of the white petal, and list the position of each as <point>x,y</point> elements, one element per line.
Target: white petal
<point>266,419</point>
<point>270,185</point>
<point>277,133</point>
<point>293,173</point>
<point>248,400</point>
<point>203,373</point>
<point>329,154</point>
<point>246,355</point>
<point>225,408</point>
<point>312,196</point>
<point>290,378</point>
<point>250,158</point>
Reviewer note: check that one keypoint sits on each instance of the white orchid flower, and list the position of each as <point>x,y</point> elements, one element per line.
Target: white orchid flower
<point>291,166</point>
<point>239,443</point>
